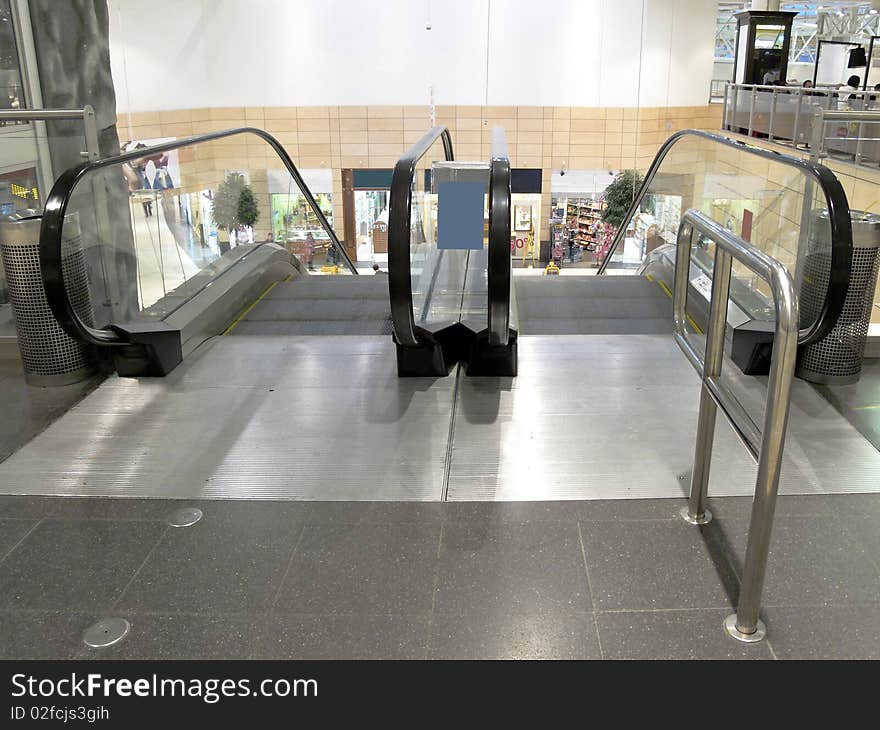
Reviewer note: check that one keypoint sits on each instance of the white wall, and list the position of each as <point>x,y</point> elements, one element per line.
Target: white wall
<point>173,54</point>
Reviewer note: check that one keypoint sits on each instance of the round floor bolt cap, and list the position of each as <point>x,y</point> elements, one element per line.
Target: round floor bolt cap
<point>685,514</point>
<point>106,632</point>
<point>185,517</point>
<point>757,635</point>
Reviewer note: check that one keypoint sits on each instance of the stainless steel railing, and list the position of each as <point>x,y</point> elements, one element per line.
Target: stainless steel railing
<point>857,135</point>
<point>765,444</point>
<point>799,118</point>
<point>716,89</point>
<point>86,115</point>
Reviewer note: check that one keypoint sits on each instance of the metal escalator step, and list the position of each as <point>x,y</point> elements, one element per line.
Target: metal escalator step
<point>316,328</point>
<point>592,305</point>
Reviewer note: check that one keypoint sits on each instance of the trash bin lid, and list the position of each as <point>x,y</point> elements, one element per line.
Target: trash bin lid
<point>865,228</point>
<point>21,227</point>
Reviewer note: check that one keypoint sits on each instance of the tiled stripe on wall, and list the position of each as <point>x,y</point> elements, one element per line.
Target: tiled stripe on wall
<point>338,137</point>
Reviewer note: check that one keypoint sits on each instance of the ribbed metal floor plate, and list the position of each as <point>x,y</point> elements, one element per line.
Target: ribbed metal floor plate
<point>612,417</point>
<point>252,417</point>
<point>327,418</point>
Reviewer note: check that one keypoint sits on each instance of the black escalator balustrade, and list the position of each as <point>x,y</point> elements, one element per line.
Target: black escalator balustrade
<point>430,346</point>
<point>494,350</point>
<point>152,341</point>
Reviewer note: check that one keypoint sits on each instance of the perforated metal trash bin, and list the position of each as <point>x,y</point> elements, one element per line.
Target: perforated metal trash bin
<point>837,358</point>
<point>49,355</point>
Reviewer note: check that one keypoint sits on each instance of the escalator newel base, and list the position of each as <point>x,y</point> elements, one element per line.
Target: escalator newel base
<point>426,361</point>
<point>489,360</point>
<point>154,350</point>
<point>751,347</point>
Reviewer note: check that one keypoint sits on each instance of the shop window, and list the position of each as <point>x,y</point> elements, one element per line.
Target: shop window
<point>18,191</point>
<point>293,217</point>
<point>371,224</point>
<point>11,88</point>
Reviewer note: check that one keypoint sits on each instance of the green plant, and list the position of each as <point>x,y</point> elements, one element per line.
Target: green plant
<point>247,207</point>
<point>619,196</point>
<point>234,203</point>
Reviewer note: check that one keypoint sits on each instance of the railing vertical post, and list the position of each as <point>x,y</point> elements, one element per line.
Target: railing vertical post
<point>772,115</point>
<point>724,106</point>
<point>735,104</point>
<point>696,512</point>
<point>752,109</point>
<point>745,624</point>
<point>861,136</point>
<point>817,136</point>
<point>90,132</point>
<point>797,118</point>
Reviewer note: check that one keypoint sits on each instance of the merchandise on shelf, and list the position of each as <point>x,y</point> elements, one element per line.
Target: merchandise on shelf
<point>585,216</point>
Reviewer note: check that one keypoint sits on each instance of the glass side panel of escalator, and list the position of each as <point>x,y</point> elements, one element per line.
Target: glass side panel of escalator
<point>773,205</point>
<point>159,228</point>
<point>449,284</point>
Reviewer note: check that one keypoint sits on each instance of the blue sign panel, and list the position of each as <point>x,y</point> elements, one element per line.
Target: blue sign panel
<point>460,215</point>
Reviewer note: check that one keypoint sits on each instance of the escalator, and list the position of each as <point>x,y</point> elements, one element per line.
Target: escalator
<point>450,305</point>
<point>793,209</point>
<point>592,305</point>
<point>158,287</point>
<point>273,411</point>
<point>320,305</point>
<point>160,279</point>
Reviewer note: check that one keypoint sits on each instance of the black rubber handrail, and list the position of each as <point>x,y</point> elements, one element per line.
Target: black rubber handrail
<point>399,227</point>
<point>56,208</point>
<point>838,215</point>
<point>499,241</point>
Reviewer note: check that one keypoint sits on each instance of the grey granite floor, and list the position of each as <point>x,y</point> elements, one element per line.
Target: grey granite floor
<point>588,579</point>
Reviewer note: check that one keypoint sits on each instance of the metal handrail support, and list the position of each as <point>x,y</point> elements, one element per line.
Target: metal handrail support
<point>86,115</point>
<point>765,445</point>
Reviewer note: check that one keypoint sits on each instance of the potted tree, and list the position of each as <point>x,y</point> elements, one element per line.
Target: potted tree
<point>619,196</point>
<point>234,205</point>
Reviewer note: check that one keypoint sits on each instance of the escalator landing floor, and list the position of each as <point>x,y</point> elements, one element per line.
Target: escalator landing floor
<point>327,418</point>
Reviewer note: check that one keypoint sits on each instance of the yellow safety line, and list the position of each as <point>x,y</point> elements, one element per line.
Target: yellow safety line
<point>250,306</point>
<point>665,288</point>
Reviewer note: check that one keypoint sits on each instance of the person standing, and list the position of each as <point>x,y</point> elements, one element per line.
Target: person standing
<point>310,251</point>
<point>853,83</point>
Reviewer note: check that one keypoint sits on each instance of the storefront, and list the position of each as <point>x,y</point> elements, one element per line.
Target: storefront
<point>525,217</point>
<point>293,219</point>
<point>18,191</point>
<point>578,234</point>
<point>366,193</point>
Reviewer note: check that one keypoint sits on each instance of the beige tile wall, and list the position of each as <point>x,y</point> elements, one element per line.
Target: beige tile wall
<point>340,137</point>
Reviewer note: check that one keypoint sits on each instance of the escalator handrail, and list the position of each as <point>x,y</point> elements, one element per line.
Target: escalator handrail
<point>56,208</point>
<point>499,241</point>
<point>838,216</point>
<point>399,227</point>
